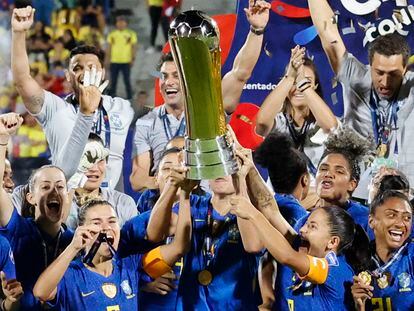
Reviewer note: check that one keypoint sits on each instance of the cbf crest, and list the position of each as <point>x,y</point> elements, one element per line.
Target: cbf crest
<point>234,234</point>
<point>126,288</point>
<point>404,282</point>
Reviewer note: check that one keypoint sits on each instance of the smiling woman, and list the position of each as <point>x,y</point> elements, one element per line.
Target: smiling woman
<point>391,273</point>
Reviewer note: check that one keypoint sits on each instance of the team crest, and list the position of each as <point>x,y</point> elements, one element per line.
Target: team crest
<point>115,121</point>
<point>109,290</point>
<point>404,282</point>
<point>126,288</point>
<point>234,234</point>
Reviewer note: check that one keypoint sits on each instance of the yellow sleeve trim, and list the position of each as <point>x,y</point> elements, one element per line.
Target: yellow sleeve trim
<point>318,270</point>
<point>153,263</point>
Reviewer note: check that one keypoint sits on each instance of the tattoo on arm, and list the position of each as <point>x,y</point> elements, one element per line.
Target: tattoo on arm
<point>36,102</point>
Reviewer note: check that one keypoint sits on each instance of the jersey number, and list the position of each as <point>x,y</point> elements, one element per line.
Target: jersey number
<point>113,308</point>
<point>378,304</point>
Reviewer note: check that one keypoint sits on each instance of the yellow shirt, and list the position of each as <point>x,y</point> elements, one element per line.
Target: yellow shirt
<point>64,55</point>
<point>121,42</point>
<point>33,141</point>
<point>155,2</point>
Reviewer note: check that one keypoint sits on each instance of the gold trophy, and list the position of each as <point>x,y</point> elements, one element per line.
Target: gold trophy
<point>194,40</point>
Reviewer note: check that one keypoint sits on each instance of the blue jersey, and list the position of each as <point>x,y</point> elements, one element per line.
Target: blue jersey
<point>398,295</point>
<point>33,252</point>
<point>83,289</point>
<point>147,200</point>
<point>233,269</point>
<point>358,212</point>
<point>7,259</point>
<point>334,294</point>
<point>152,301</point>
<point>290,208</point>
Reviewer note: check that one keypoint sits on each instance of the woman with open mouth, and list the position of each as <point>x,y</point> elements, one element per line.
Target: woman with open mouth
<point>316,274</point>
<point>387,283</point>
<point>104,280</point>
<point>37,240</point>
<point>339,173</point>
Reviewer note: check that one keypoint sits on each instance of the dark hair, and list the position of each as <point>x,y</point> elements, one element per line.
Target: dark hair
<point>27,209</point>
<point>87,205</point>
<point>32,178</point>
<point>382,197</point>
<point>285,163</point>
<point>353,148</point>
<point>388,45</point>
<point>354,242</point>
<point>394,182</point>
<point>88,49</point>
<point>95,137</point>
<point>167,57</point>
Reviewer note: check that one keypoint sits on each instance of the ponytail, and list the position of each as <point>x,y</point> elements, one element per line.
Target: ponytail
<point>354,242</point>
<point>358,253</point>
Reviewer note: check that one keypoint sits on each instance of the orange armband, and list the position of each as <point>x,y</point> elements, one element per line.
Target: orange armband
<point>318,270</point>
<point>153,263</point>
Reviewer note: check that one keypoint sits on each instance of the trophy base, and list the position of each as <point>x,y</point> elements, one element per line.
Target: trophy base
<point>210,158</point>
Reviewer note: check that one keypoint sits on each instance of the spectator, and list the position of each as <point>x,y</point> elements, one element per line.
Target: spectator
<point>58,53</point>
<point>122,45</point>
<point>154,10</point>
<point>69,41</point>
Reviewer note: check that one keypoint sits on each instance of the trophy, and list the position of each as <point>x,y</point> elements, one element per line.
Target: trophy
<point>194,41</point>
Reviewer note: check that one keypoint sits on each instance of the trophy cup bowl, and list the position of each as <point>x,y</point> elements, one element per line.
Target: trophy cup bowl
<point>209,150</point>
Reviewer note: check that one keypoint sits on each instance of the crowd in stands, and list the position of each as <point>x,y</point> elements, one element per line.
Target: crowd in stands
<point>72,238</point>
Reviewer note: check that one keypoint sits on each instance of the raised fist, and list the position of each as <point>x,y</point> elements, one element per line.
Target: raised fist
<point>22,19</point>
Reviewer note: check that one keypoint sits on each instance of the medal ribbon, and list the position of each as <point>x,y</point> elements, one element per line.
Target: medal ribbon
<point>167,125</point>
<point>299,139</point>
<point>379,271</point>
<point>383,123</point>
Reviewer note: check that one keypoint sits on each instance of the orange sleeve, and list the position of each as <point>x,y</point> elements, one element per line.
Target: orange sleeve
<point>153,263</point>
<point>318,270</point>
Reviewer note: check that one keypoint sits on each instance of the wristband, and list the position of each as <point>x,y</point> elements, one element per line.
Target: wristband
<point>257,31</point>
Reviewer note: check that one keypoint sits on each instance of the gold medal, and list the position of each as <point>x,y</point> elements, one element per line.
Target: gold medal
<point>382,150</point>
<point>365,277</point>
<point>205,277</point>
<point>383,281</point>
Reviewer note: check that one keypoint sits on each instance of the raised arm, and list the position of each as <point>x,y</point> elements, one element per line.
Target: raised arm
<point>232,84</point>
<point>272,239</point>
<point>159,222</point>
<point>182,237</point>
<point>249,236</point>
<point>273,103</point>
<point>263,199</point>
<point>28,88</point>
<point>320,110</point>
<point>324,20</point>
<point>9,123</point>
<point>90,94</point>
<point>45,288</point>
<point>140,177</point>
